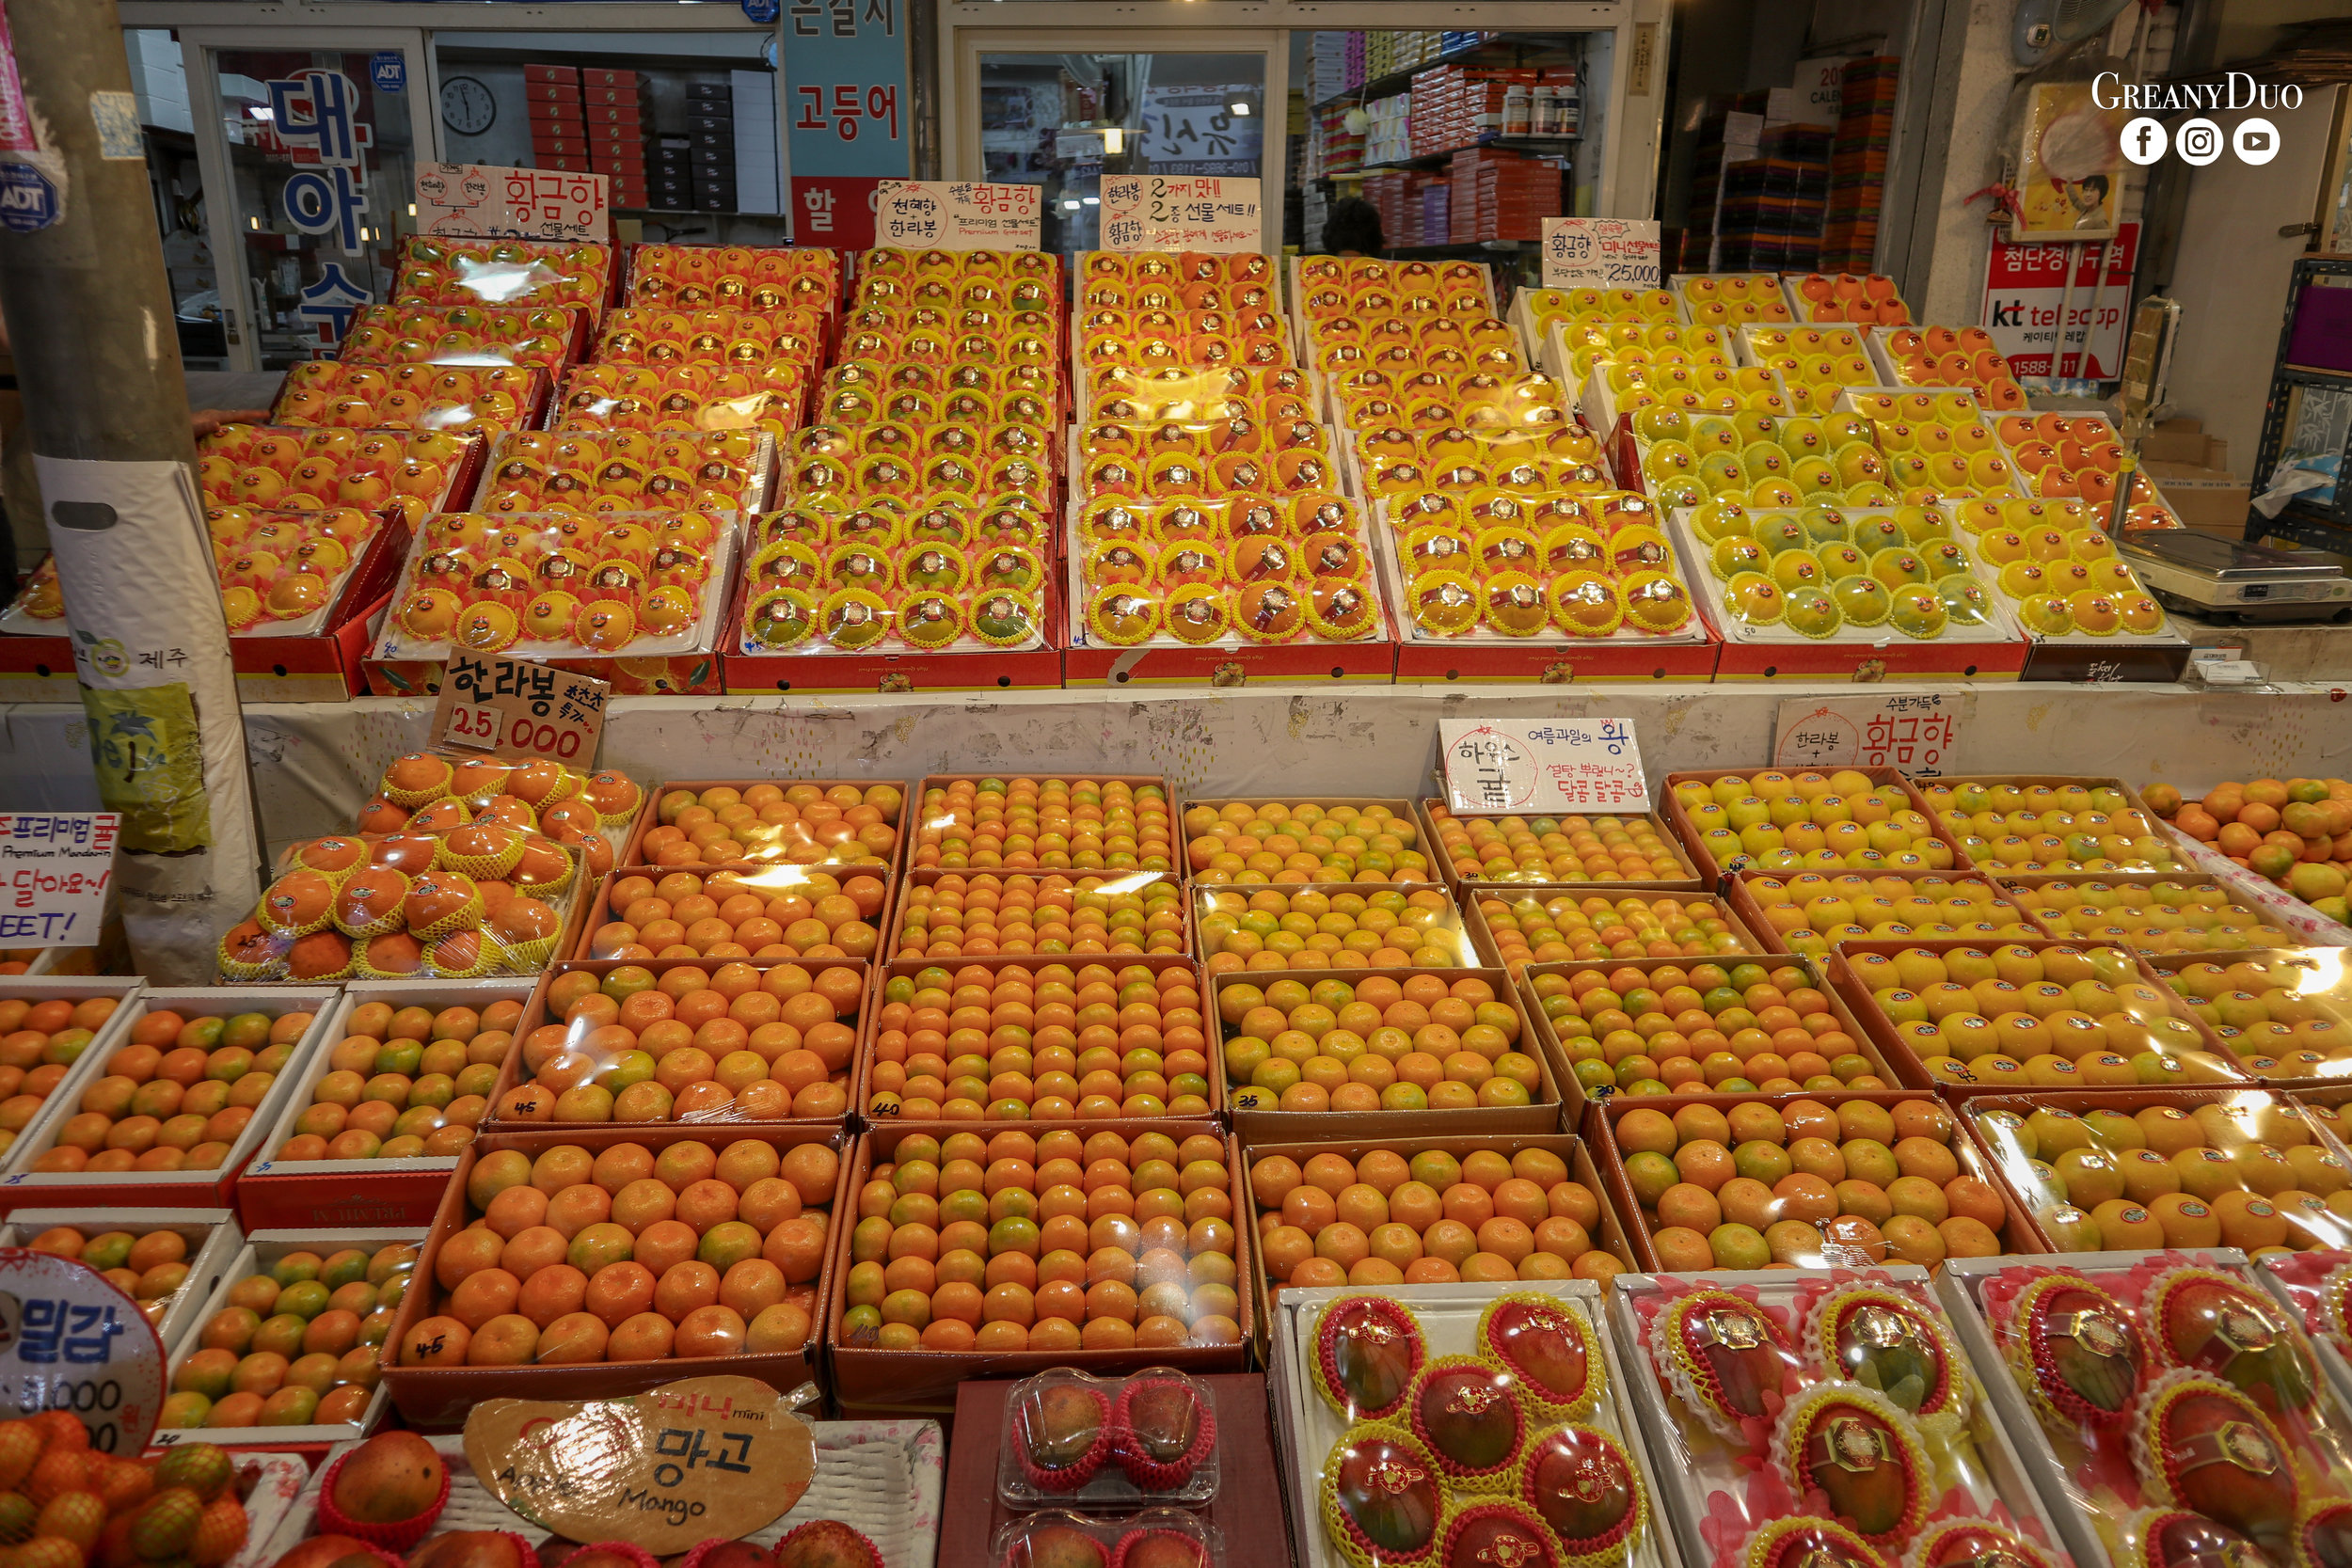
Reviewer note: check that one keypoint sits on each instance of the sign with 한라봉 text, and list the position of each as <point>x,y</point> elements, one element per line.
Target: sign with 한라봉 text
<point>519,709</point>
<point>1152,212</point>
<point>956,214</point>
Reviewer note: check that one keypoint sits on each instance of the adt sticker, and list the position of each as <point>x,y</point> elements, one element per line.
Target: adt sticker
<point>388,70</point>
<point>763,12</point>
<point>28,202</point>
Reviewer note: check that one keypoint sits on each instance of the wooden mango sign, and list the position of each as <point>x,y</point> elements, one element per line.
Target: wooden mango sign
<point>701,1457</point>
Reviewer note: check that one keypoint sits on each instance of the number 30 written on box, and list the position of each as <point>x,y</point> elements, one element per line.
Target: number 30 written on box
<point>1545,766</point>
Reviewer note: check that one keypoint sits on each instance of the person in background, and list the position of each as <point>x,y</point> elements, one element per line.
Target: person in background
<point>1352,227</point>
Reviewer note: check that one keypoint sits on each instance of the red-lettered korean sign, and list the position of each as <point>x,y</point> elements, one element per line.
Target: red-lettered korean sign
<point>489,202</point>
<point>55,871</point>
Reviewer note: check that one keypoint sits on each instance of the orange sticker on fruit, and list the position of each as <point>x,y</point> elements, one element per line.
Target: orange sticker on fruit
<point>70,1341</point>
<point>691,1460</point>
<point>519,709</point>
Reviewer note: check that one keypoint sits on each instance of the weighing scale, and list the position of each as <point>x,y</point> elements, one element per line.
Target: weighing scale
<point>2232,582</point>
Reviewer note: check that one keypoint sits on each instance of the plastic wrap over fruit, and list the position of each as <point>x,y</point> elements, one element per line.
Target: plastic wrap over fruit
<point>1150,1538</point>
<point>735,277</point>
<point>264,468</point>
<point>436,270</point>
<point>149,1264</point>
<point>467,399</point>
<point>2057,823</point>
<point>1781,822</point>
<point>764,914</point>
<point>541,337</point>
<point>1074,1440</point>
<point>781,821</point>
<point>449,903</point>
<point>403,1083</point>
<point>293,1342</point>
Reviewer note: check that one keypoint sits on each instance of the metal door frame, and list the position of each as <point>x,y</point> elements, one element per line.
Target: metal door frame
<point>962,45</point>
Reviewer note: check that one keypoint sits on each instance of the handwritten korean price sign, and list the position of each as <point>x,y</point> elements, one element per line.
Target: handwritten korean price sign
<point>1600,253</point>
<point>71,1341</point>
<point>691,1460</point>
<point>1150,211</point>
<point>516,709</point>
<point>1546,766</point>
<point>488,202</point>
<point>956,214</point>
<point>1913,731</point>
<point>56,870</point>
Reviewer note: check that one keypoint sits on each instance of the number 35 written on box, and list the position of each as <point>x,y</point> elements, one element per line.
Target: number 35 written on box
<point>516,709</point>
<point>1541,766</point>
<point>1600,253</point>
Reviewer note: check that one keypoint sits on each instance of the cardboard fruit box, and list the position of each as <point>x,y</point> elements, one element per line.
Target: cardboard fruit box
<point>767,879</point>
<point>1253,1109</point>
<point>1756,915</point>
<point>1432,813</point>
<point>1399,809</point>
<point>926,815</point>
<point>538,1012</point>
<point>22,1186</point>
<point>871,1383</point>
<point>2188,879</point>
<point>1610,1236</point>
<point>1476,896</point>
<point>632,851</point>
<point>2052,781</point>
<point>2320,1074</point>
<point>2041,1210</point>
<point>1849,984</point>
<point>1679,816</point>
<point>2017,1232</point>
<point>294,1194</point>
<point>211,1234</point>
<point>1561,1064</point>
<point>896,939</point>
<point>440,1396</point>
<point>862,1094</point>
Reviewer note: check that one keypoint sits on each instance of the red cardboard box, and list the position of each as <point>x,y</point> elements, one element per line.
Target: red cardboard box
<point>536,73</point>
<point>597,76</point>
<point>552,92</point>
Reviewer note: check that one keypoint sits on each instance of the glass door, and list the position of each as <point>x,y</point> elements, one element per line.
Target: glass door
<point>310,144</point>
<point>1062,110</point>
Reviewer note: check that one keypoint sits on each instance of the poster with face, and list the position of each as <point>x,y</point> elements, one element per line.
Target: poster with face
<point>2070,167</point>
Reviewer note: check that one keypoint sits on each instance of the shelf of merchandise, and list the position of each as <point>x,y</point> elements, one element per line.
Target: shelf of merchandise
<point>1497,144</point>
<point>1390,83</point>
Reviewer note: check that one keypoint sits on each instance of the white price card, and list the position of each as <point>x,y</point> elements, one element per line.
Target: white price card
<point>486,201</point>
<point>1545,766</point>
<point>1914,730</point>
<point>1600,253</point>
<point>1201,211</point>
<point>71,1341</point>
<point>956,214</point>
<point>55,871</point>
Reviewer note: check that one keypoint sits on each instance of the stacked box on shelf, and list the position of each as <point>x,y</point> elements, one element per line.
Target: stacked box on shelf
<point>916,539</point>
<point>1857,169</point>
<point>1770,214</point>
<point>618,109</point>
<point>1503,195</point>
<point>559,128</point>
<point>710,144</point>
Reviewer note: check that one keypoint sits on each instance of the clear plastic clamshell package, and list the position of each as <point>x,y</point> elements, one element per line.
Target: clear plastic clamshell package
<point>436,270</point>
<point>482,899</point>
<point>681,398</point>
<point>734,276</point>
<point>545,337</point>
<point>2169,1409</point>
<point>554,584</point>
<point>1825,1418</point>
<point>484,399</point>
<point>1462,1424</point>
<point>418,472</point>
<point>1074,1440</point>
<point>1151,1538</point>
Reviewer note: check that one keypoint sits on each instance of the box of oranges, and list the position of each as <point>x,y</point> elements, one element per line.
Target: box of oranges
<point>170,1098</point>
<point>814,822</point>
<point>1811,912</point>
<point>2284,1013</point>
<point>1867,818</point>
<point>2019,1016</point>
<point>1853,1179</point>
<point>1053,1037</point>
<point>765,914</point>
<point>2126,1170</point>
<point>1430,1210</point>
<point>987,1249</point>
<point>2177,916</point>
<point>48,1023</point>
<point>1343,1053</point>
<point>1648,1028</point>
<point>704,1246</point>
<point>1511,924</point>
<point>1594,846</point>
<point>331,1158</point>
<point>166,1260</point>
<point>703,1042</point>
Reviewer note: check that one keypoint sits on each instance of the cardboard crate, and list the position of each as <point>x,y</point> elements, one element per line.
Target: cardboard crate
<point>258,1254</point>
<point>1883,1029</point>
<point>536,1014</point>
<point>1453,935</point>
<point>871,1383</point>
<point>869,1030</point>
<point>600,909</point>
<point>211,1234</point>
<point>1135,782</point>
<point>1430,812</point>
<point>1260,1122</point>
<point>1610,1236</point>
<point>632,851</point>
<point>1399,809</point>
<point>1883,1065</point>
<point>2053,781</point>
<point>902,902</point>
<point>1754,914</point>
<point>2189,877</point>
<point>2129,1101</point>
<point>2018,1234</point>
<point>2316,1080</point>
<point>274,1193</point>
<point>1678,818</point>
<point>24,1187</point>
<point>1474,897</point>
<point>440,1396</point>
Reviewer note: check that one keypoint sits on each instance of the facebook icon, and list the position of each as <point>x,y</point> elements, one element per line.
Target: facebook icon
<point>2145,140</point>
